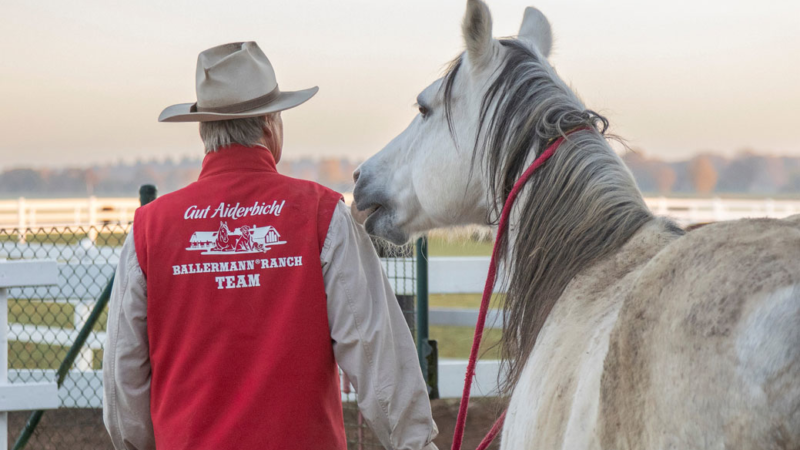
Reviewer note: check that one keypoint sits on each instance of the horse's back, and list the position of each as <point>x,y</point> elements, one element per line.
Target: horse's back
<point>706,350</point>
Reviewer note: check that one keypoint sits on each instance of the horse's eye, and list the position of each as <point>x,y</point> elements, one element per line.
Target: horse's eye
<point>423,110</point>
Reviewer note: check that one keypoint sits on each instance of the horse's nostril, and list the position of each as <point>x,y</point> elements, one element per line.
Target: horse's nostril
<point>356,174</point>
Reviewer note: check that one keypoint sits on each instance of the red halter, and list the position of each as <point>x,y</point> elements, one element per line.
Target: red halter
<point>458,435</point>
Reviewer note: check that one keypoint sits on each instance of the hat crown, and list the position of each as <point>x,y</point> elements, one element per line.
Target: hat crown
<point>233,73</point>
<point>235,81</point>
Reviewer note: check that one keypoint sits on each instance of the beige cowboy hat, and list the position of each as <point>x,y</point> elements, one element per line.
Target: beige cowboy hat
<point>235,81</point>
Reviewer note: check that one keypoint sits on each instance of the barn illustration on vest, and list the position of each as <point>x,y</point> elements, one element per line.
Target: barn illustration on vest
<point>245,239</point>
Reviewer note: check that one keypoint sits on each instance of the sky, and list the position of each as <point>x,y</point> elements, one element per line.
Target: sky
<point>83,82</point>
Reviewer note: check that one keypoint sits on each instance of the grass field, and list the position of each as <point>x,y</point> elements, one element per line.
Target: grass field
<point>38,312</point>
<point>456,342</point>
<point>472,301</point>
<point>27,355</point>
<point>438,246</point>
<point>461,247</point>
<point>47,236</point>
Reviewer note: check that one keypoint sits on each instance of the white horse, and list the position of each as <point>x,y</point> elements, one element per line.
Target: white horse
<point>621,331</point>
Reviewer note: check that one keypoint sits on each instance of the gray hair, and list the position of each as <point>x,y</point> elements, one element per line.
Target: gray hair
<point>582,205</point>
<point>222,133</point>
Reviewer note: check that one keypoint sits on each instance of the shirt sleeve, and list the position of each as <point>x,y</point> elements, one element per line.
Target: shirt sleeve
<point>371,340</point>
<point>126,358</point>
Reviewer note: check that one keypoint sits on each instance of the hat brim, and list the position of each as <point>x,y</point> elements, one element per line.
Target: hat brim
<point>286,100</point>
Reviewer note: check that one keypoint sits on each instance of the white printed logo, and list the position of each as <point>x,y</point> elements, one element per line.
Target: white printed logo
<point>245,239</point>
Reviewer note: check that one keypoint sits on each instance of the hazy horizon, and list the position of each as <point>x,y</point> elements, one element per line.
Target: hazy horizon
<point>83,83</point>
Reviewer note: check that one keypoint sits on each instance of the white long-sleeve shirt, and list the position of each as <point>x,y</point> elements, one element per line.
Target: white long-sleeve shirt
<point>371,342</point>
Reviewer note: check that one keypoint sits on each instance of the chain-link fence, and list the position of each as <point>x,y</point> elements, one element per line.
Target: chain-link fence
<point>44,323</point>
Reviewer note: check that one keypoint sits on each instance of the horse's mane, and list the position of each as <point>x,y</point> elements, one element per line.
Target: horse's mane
<point>581,206</point>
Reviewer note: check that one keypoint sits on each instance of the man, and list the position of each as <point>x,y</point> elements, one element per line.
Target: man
<point>236,297</point>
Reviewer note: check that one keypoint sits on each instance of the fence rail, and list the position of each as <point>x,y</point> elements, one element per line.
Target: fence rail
<point>95,211</point>
<point>69,212</point>
<point>687,211</point>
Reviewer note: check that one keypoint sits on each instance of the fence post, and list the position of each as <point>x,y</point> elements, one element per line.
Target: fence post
<point>769,207</point>
<point>21,225</point>
<point>662,208</point>
<point>147,193</point>
<point>92,211</point>
<point>92,231</point>
<point>719,209</point>
<point>21,396</point>
<point>427,356</point>
<point>85,360</point>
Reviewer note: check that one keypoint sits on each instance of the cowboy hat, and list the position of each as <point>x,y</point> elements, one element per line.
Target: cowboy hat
<point>235,81</point>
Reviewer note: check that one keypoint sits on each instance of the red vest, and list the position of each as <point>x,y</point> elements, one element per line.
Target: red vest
<point>237,321</point>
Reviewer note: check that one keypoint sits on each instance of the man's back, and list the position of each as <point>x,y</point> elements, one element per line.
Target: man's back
<point>237,317</point>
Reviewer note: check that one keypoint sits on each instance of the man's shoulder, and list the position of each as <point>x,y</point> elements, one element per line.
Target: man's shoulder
<point>299,187</point>
<point>309,185</point>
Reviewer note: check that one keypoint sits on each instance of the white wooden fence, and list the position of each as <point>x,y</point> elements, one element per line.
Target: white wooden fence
<point>23,213</point>
<point>687,211</point>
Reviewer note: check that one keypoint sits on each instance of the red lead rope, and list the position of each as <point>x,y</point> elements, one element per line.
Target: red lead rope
<point>458,435</point>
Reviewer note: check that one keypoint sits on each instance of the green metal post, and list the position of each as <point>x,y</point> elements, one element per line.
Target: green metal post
<point>147,193</point>
<point>423,348</point>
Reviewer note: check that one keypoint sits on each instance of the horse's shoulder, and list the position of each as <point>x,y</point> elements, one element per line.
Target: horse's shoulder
<point>680,321</point>
<point>702,280</point>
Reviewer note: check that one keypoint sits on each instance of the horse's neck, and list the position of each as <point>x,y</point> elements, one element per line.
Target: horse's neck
<point>599,290</point>
<point>642,246</point>
<point>635,254</point>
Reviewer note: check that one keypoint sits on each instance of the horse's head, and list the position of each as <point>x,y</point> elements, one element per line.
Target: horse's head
<point>427,177</point>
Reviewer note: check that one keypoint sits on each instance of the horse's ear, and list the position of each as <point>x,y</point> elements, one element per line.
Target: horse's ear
<point>477,30</point>
<point>536,30</point>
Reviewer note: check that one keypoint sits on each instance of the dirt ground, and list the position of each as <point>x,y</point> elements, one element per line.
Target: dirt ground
<point>82,429</point>
<point>481,415</point>
<point>63,429</point>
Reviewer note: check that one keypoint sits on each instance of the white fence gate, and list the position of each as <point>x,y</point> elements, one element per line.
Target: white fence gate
<point>21,396</point>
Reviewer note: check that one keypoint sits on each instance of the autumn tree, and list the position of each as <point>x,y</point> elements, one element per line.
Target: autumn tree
<point>703,174</point>
<point>665,178</point>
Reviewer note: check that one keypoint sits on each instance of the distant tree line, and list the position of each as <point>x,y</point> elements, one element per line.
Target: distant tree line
<point>109,180</point>
<point>123,179</point>
<point>707,173</point>
<point>704,174</point>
